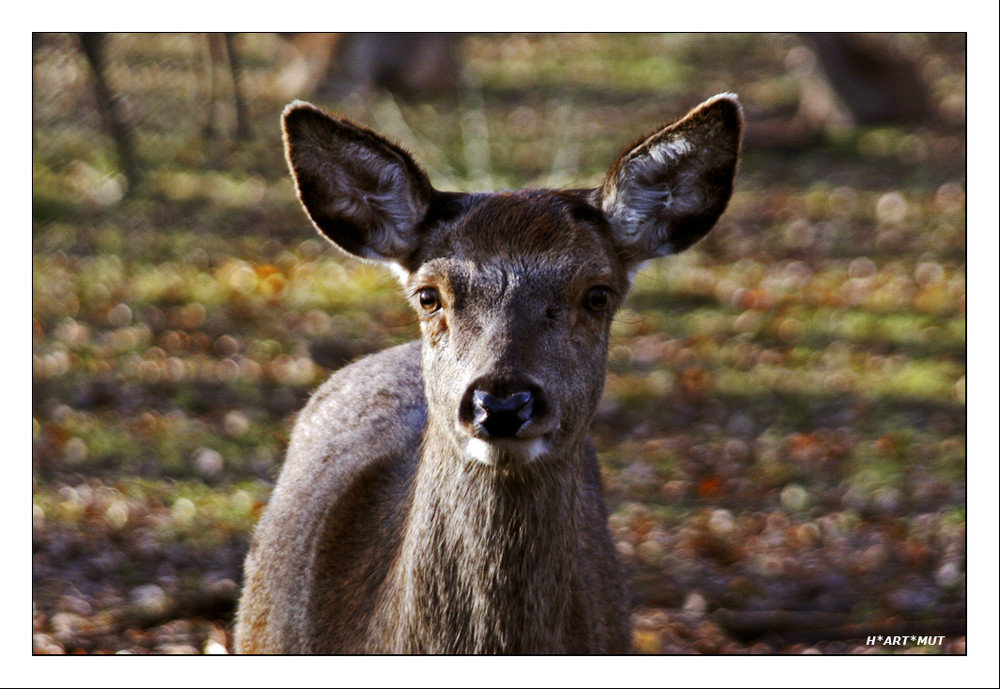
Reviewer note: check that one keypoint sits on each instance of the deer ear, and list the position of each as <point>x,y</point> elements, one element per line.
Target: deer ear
<point>666,191</point>
<point>364,193</point>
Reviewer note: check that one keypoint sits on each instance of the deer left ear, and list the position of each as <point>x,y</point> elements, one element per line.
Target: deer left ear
<point>362,192</point>
<point>665,192</point>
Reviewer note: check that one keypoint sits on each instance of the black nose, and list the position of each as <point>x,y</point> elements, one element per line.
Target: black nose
<point>501,418</point>
<point>500,410</point>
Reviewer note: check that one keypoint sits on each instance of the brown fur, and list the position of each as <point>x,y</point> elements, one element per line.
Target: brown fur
<point>403,522</point>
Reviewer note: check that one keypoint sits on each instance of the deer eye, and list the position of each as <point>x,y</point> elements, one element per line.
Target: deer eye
<point>429,299</point>
<point>597,299</point>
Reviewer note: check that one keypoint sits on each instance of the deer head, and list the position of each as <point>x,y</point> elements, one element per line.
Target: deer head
<point>515,291</point>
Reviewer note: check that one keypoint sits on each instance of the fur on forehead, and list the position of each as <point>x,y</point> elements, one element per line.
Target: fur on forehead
<point>525,225</point>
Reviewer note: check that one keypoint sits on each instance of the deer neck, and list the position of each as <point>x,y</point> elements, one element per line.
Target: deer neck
<point>488,552</point>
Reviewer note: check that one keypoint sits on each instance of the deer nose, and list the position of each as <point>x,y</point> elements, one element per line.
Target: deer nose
<point>500,410</point>
<point>501,418</point>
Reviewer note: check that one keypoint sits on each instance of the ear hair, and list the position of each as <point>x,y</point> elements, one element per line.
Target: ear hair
<point>364,193</point>
<point>666,191</point>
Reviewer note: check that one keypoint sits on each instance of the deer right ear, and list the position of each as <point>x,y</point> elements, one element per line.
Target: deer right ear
<point>666,191</point>
<point>364,193</point>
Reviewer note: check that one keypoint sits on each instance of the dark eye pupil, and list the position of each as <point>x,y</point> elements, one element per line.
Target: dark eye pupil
<point>428,299</point>
<point>597,299</point>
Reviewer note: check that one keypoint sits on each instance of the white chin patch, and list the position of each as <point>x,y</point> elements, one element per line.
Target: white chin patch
<point>518,451</point>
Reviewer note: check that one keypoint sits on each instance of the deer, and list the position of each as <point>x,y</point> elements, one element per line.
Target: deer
<point>444,495</point>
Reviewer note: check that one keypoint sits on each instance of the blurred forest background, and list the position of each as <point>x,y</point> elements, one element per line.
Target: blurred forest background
<point>783,431</point>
